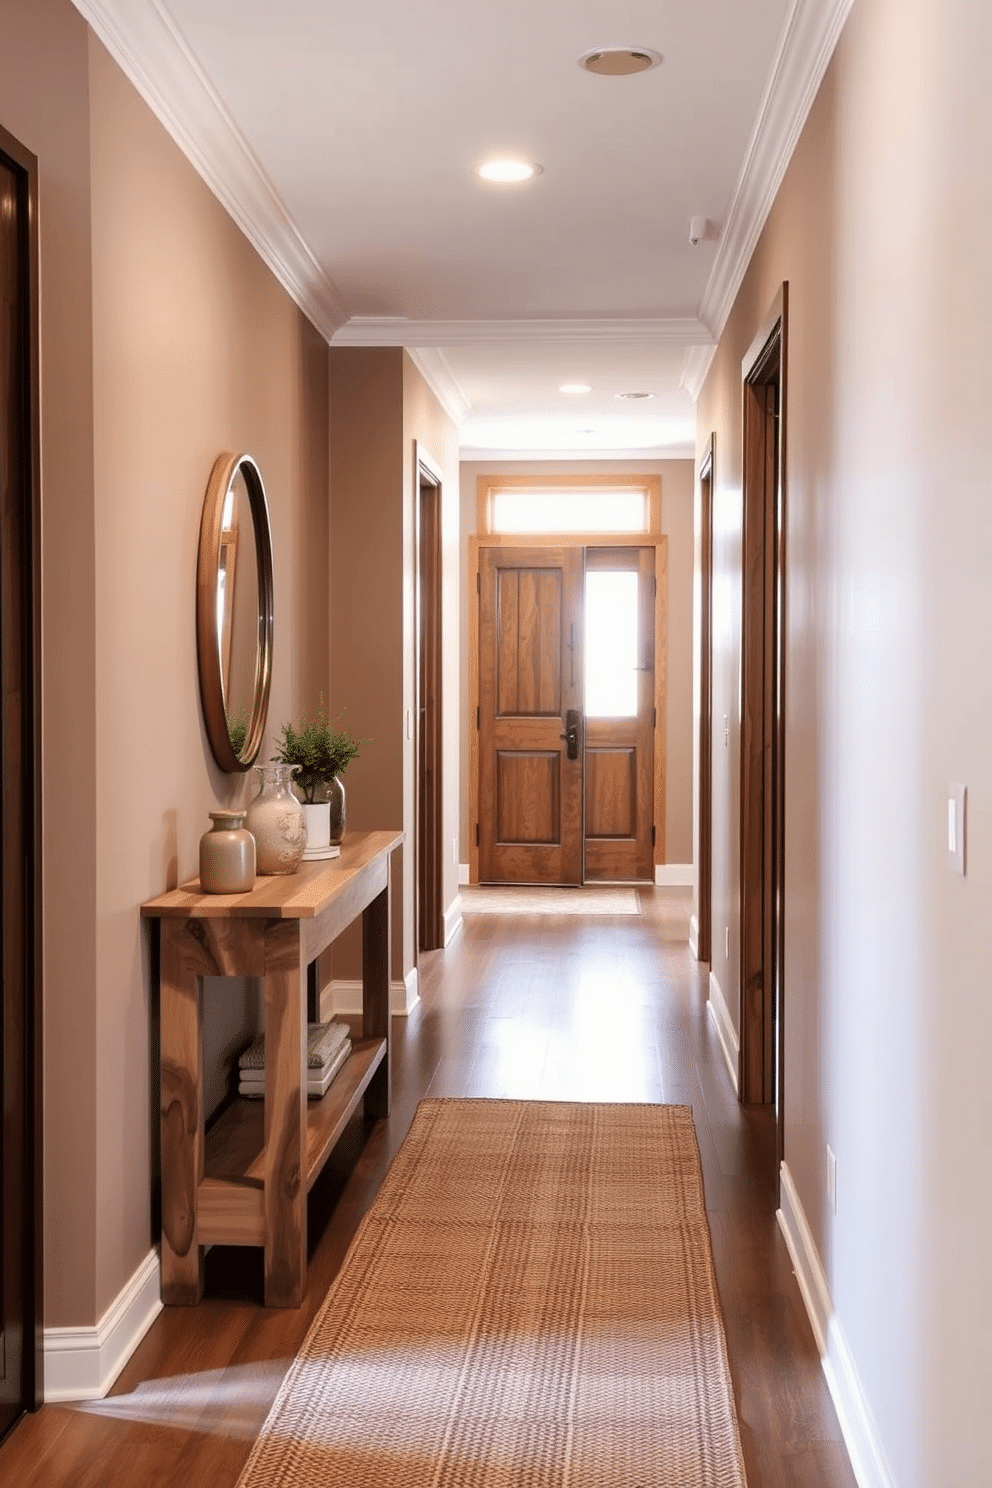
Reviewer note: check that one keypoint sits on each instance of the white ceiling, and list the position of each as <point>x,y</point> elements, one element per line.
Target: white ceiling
<point>343,138</point>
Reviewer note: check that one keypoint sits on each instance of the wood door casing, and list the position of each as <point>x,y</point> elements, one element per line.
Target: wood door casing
<point>20,899</point>
<point>762,871</point>
<point>530,674</point>
<point>619,752</point>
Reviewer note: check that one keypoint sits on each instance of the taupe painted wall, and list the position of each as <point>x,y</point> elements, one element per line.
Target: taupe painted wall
<point>44,102</point>
<point>676,522</point>
<point>165,341</point>
<point>883,229</point>
<point>380,405</point>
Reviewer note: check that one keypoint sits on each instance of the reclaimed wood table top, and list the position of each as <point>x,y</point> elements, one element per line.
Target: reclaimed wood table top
<point>300,896</point>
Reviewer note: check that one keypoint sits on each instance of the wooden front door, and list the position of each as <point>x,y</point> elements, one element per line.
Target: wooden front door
<point>530,676</point>
<point>619,734</point>
<point>567,714</point>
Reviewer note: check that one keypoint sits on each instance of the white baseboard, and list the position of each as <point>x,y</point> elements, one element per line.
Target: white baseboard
<point>82,1363</point>
<point>452,919</point>
<point>724,1025</point>
<point>853,1411</point>
<point>346,996</point>
<point>694,936</point>
<point>463,877</point>
<point>675,875</point>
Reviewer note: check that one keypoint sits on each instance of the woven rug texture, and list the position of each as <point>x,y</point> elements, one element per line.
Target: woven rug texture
<point>516,899</point>
<point>529,1303</point>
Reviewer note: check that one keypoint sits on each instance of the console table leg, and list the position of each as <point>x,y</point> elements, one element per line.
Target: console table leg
<point>182,1119</point>
<point>376,930</point>
<point>285,1116</point>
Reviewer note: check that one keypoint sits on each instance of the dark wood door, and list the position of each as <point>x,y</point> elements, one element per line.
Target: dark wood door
<point>530,676</point>
<point>18,1086</point>
<point>619,733</point>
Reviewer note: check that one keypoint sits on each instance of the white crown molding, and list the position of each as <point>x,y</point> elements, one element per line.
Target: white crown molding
<point>82,1363</point>
<point>810,34</point>
<point>650,452</point>
<point>432,364</point>
<point>697,363</point>
<point>396,330</point>
<point>148,46</point>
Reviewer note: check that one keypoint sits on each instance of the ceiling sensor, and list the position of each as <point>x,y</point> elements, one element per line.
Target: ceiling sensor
<point>619,61</point>
<point>635,396</point>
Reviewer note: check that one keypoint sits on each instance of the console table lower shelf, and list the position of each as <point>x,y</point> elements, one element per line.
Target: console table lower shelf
<point>230,1195</point>
<point>245,1182</point>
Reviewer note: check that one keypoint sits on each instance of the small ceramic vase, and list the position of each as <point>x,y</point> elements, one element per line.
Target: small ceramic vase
<point>227,855</point>
<point>276,821</point>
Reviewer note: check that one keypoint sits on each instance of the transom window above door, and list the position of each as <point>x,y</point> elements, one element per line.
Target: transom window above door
<point>569,505</point>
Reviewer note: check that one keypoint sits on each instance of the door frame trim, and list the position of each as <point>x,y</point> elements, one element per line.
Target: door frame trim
<point>704,807</point>
<point>656,540</point>
<point>427,471</point>
<point>762,1045</point>
<point>34,1348</point>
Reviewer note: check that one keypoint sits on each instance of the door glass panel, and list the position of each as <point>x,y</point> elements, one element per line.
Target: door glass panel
<point>611,645</point>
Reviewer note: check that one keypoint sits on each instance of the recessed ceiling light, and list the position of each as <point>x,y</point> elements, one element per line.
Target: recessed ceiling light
<point>635,396</point>
<point>619,61</point>
<point>575,387</point>
<point>508,172</point>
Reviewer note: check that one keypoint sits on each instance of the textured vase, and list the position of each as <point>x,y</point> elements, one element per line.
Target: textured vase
<point>227,855</point>
<point>338,810</point>
<point>276,821</point>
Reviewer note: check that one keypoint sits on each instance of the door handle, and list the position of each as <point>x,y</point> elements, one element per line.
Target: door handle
<point>573,719</point>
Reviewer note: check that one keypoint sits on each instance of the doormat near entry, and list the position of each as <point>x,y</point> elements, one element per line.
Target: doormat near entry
<point>529,1301</point>
<point>511,899</point>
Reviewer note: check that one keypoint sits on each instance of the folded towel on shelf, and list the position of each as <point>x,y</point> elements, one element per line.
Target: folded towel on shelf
<point>323,1042</point>
<point>252,1082</point>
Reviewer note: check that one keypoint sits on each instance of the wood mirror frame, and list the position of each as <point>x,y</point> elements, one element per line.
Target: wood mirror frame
<point>210,640</point>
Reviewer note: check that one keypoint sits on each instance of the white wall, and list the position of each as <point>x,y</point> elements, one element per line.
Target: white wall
<point>883,228</point>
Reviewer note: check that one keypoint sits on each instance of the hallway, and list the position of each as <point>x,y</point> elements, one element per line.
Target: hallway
<point>565,1007</point>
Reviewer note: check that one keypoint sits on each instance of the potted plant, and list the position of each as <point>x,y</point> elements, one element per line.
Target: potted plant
<point>321,751</point>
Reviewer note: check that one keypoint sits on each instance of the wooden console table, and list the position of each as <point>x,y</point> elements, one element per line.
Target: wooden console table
<point>246,1181</point>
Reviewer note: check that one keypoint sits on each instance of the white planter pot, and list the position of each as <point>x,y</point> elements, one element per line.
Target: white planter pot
<point>318,819</point>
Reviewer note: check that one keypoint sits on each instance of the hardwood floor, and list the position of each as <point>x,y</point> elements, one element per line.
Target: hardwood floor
<point>567,1007</point>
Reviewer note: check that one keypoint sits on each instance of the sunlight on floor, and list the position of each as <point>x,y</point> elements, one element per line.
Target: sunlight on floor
<point>230,1402</point>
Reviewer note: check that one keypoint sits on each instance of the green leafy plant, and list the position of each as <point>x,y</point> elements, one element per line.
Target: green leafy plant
<point>237,731</point>
<point>320,749</point>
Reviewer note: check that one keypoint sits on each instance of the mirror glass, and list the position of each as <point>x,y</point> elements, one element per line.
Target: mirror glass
<point>237,610</point>
<point>234,611</point>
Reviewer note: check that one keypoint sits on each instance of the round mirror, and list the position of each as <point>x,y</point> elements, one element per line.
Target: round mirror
<point>234,611</point>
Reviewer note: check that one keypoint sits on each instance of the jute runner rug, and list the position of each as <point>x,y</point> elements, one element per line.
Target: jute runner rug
<point>530,1303</point>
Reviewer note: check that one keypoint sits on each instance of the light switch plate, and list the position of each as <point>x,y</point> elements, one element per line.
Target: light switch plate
<point>956,819</point>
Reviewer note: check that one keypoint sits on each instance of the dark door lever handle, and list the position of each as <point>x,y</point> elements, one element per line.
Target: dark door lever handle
<point>571,735</point>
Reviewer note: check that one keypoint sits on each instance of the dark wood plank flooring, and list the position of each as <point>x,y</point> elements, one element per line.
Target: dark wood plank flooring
<point>549,1007</point>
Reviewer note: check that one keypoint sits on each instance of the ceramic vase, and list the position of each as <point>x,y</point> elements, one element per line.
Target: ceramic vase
<point>227,855</point>
<point>276,821</point>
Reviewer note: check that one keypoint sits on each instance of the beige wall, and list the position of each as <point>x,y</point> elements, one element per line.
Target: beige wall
<point>883,229</point>
<point>165,341</point>
<point>380,405</point>
<point>47,39</point>
<point>676,522</point>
